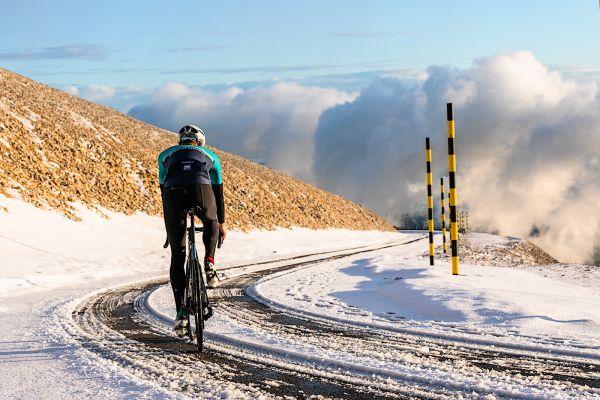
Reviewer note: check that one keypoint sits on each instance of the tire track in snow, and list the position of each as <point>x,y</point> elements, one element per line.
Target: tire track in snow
<point>111,325</point>
<point>107,326</point>
<point>228,360</point>
<point>530,369</point>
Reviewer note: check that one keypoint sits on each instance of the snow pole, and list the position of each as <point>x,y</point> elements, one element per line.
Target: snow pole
<point>443,215</point>
<point>429,199</point>
<point>452,178</point>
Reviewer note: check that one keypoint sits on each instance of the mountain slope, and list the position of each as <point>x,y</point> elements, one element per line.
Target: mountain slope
<point>56,149</point>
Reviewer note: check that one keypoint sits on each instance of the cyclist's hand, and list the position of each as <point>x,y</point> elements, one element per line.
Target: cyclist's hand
<point>222,231</point>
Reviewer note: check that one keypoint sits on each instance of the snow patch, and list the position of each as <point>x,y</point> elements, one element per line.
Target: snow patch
<point>5,142</point>
<point>82,121</point>
<point>24,121</point>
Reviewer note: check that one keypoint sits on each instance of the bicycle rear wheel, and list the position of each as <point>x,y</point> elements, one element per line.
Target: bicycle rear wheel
<point>198,305</point>
<point>188,298</point>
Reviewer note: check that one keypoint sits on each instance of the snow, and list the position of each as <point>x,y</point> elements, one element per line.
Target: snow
<point>26,122</point>
<point>83,121</point>
<point>50,249</point>
<point>395,290</point>
<point>50,264</point>
<point>42,250</point>
<point>5,142</point>
<point>398,285</point>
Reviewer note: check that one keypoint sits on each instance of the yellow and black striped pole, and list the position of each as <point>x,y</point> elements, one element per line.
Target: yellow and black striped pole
<point>429,199</point>
<point>443,215</point>
<point>453,197</point>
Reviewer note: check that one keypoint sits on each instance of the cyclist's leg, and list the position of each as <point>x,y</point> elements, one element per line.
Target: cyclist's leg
<point>175,222</point>
<point>205,199</point>
<point>210,237</point>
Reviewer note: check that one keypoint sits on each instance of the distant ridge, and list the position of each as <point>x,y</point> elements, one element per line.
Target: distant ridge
<point>57,149</point>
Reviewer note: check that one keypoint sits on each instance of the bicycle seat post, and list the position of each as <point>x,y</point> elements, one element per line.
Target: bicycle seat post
<point>191,229</point>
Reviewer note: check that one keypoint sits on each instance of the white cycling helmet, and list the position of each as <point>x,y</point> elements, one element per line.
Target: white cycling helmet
<point>190,133</point>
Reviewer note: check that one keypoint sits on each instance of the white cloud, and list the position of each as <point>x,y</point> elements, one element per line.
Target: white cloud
<point>120,98</point>
<point>273,124</point>
<point>92,92</point>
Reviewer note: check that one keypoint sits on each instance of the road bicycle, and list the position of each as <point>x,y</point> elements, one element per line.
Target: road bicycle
<point>195,296</point>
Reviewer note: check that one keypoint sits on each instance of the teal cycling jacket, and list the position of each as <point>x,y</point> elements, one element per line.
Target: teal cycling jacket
<point>188,165</point>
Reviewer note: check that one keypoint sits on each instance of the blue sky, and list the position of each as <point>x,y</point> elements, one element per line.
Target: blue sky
<point>147,43</point>
<point>301,85</point>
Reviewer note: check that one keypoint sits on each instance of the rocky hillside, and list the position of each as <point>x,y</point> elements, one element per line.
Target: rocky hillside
<point>488,249</point>
<point>56,149</point>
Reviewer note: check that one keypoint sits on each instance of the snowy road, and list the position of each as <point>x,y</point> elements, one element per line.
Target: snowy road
<point>270,351</point>
<point>297,317</point>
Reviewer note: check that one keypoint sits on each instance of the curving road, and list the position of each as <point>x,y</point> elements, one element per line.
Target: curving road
<point>346,360</point>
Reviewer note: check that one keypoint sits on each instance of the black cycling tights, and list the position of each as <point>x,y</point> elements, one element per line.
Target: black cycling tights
<point>175,201</point>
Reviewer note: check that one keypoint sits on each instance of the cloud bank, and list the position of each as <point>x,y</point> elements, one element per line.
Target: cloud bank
<point>528,149</point>
<point>528,142</point>
<point>273,125</point>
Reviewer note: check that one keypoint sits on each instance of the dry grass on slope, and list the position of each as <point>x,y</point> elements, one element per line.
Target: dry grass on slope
<point>56,149</point>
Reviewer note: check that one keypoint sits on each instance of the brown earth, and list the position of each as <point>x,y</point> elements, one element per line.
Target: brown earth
<point>57,149</point>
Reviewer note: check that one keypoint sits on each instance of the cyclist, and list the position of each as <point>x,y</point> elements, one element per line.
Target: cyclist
<point>189,175</point>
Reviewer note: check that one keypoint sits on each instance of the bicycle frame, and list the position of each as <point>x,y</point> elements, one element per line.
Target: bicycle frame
<point>196,296</point>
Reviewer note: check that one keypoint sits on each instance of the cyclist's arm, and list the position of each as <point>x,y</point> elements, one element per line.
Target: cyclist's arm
<point>161,170</point>
<point>218,190</point>
<point>216,179</point>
